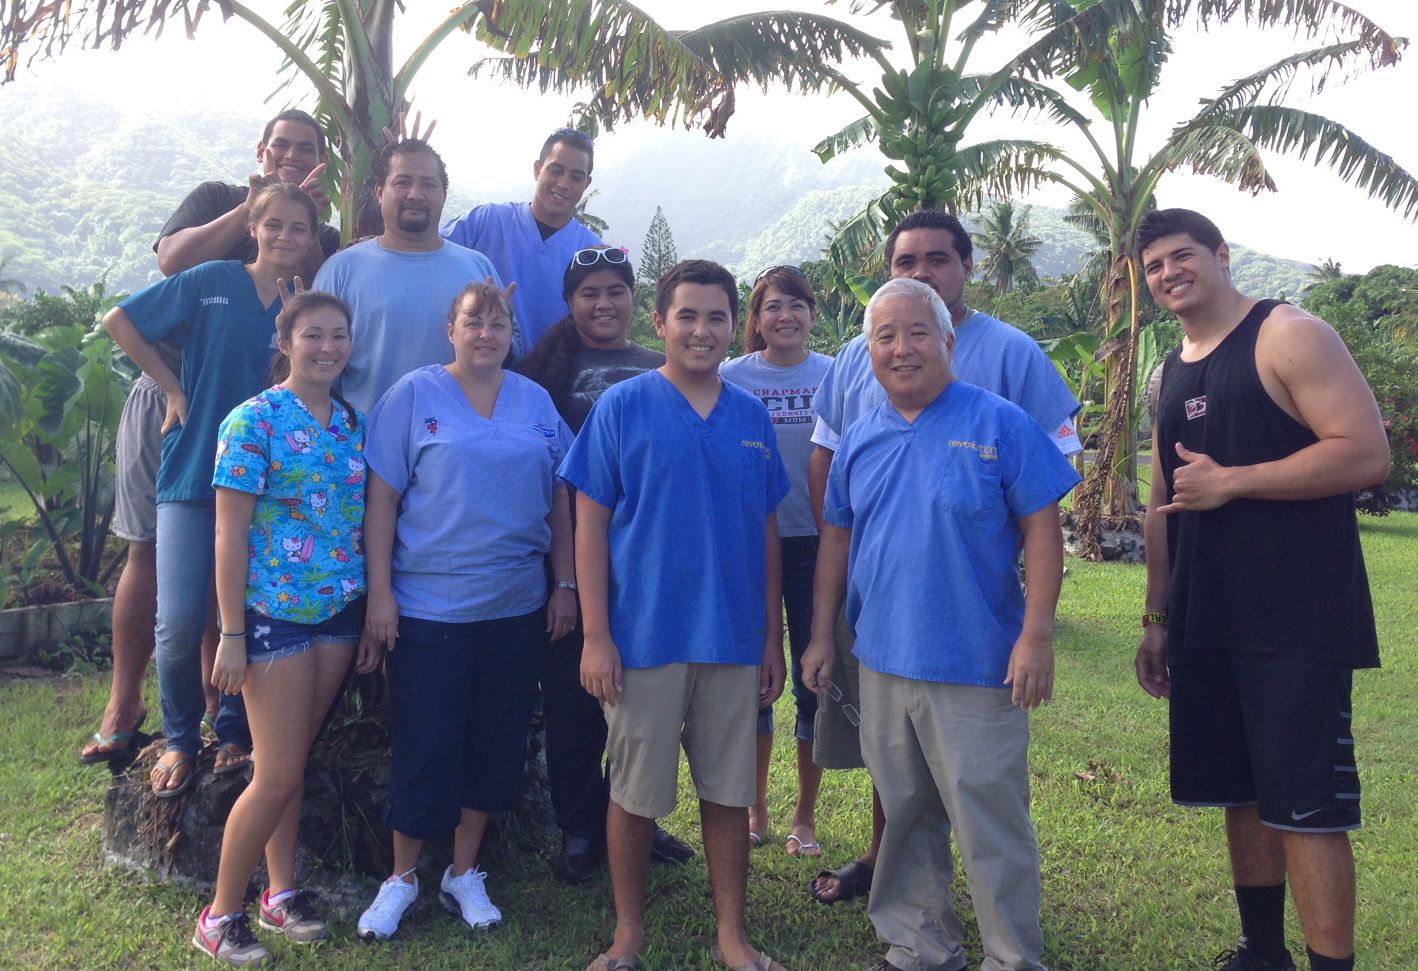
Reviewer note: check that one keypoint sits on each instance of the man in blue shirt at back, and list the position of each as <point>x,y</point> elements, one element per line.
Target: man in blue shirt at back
<point>952,655</point>
<point>532,243</point>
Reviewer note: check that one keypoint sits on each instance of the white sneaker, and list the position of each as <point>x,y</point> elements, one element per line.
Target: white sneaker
<point>466,896</point>
<point>381,920</point>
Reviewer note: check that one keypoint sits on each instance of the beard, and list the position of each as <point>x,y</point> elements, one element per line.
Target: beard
<point>414,220</point>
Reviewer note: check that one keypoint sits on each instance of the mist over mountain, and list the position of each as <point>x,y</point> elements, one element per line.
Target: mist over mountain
<point>87,185</point>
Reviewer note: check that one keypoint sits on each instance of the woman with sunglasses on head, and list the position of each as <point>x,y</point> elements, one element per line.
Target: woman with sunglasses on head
<point>585,353</point>
<point>780,370</point>
<point>461,513</point>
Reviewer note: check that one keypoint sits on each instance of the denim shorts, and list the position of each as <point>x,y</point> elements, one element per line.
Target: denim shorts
<point>270,639</point>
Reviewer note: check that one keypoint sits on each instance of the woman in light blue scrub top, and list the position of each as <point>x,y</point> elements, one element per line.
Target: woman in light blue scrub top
<point>463,514</point>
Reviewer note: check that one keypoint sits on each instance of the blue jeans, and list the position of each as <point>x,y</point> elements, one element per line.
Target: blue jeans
<point>799,564</point>
<point>186,552</point>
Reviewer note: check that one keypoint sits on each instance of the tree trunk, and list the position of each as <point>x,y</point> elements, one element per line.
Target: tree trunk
<point>1109,491</point>
<point>343,845</point>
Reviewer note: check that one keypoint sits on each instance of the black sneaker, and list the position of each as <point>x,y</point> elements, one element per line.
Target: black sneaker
<point>1242,960</point>
<point>579,859</point>
<point>669,849</point>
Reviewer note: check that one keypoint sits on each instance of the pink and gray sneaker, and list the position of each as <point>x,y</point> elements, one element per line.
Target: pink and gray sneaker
<point>230,942</point>
<point>296,918</point>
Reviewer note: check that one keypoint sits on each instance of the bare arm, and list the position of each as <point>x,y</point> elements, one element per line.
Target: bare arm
<point>773,670</point>
<point>120,327</point>
<point>819,466</point>
<point>1151,661</point>
<point>561,608</point>
<point>1308,371</point>
<point>381,510</point>
<point>829,587</point>
<point>600,658</point>
<point>188,247</point>
<point>234,512</point>
<point>1031,661</point>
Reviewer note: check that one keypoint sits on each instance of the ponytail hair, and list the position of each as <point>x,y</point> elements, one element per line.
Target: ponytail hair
<point>291,311</point>
<point>552,363</point>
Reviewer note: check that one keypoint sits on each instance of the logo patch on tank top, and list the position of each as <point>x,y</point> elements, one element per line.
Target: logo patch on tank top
<point>1196,408</point>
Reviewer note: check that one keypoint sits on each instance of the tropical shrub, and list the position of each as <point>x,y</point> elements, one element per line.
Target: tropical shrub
<point>62,386</point>
<point>1377,315</point>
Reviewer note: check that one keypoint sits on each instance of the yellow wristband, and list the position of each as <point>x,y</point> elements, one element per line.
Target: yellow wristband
<point>1154,618</point>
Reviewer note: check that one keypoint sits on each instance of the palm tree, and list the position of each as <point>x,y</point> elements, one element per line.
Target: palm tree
<point>636,67</point>
<point>1130,44</point>
<point>1006,248</point>
<point>1323,273</point>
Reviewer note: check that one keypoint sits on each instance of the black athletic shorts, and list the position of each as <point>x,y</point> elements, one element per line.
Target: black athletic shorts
<point>1268,730</point>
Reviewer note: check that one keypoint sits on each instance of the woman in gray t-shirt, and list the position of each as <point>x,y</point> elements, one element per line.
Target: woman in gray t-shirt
<point>783,374</point>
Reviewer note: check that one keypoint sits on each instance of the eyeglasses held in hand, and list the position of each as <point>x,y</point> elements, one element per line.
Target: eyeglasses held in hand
<point>854,717</point>
<point>598,254</point>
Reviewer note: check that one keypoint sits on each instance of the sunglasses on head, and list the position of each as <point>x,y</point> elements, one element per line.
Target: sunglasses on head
<point>780,268</point>
<point>596,254</point>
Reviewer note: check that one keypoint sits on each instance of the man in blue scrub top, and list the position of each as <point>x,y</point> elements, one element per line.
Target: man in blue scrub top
<point>532,243</point>
<point>930,247</point>
<point>678,480</point>
<point>952,656</point>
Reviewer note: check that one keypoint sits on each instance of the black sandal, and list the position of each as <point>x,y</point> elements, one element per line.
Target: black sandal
<point>854,879</point>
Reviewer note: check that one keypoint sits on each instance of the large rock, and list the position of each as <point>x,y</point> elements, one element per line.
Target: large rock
<point>343,841</point>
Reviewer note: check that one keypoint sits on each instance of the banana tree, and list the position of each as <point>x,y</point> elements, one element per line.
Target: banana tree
<point>343,50</point>
<point>635,68</point>
<point>351,70</point>
<point>919,116</point>
<point>1130,45</point>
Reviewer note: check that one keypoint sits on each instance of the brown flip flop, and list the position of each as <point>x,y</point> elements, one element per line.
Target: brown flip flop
<point>168,770</point>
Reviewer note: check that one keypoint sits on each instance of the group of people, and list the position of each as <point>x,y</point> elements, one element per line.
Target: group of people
<point>459,466</point>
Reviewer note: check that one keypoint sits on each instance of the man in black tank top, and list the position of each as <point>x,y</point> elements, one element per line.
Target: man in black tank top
<point>1258,604</point>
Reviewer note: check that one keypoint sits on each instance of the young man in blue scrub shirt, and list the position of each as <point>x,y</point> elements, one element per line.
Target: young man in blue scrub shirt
<point>952,655</point>
<point>678,478</point>
<point>532,243</point>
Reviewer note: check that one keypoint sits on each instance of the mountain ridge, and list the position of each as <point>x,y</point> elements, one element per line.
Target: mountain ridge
<point>89,185</point>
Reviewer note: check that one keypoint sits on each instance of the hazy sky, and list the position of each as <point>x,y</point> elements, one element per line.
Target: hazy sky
<point>489,132</point>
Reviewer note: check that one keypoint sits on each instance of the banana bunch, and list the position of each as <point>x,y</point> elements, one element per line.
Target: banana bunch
<point>917,117</point>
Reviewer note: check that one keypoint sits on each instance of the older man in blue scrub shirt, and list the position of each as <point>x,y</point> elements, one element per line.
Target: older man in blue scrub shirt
<point>952,656</point>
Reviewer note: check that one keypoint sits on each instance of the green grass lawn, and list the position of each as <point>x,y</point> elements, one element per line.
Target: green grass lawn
<point>1131,882</point>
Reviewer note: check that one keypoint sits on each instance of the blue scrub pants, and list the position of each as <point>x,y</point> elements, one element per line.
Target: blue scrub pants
<point>799,564</point>
<point>460,704</point>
